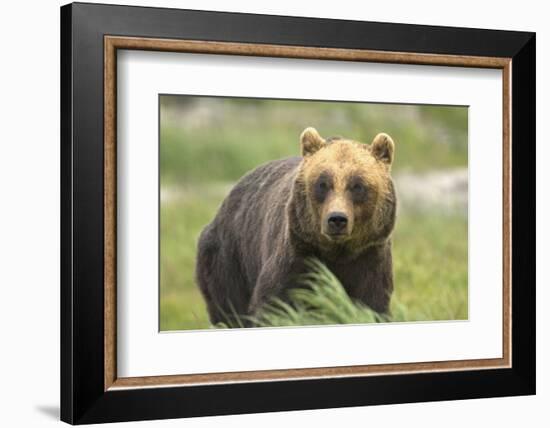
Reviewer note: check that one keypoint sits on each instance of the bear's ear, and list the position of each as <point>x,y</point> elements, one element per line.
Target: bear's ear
<point>382,148</point>
<point>311,141</point>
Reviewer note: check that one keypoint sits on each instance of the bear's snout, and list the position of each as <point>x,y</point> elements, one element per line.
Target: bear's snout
<point>337,223</point>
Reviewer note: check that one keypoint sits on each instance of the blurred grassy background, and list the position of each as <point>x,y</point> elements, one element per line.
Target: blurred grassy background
<point>207,144</point>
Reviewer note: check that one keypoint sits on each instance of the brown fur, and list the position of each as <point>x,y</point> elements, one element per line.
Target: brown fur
<point>278,215</point>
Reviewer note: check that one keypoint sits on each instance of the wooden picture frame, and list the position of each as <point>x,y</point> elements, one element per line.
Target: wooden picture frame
<point>91,391</point>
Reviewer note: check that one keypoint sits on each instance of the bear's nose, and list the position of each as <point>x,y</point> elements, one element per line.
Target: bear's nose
<point>337,222</point>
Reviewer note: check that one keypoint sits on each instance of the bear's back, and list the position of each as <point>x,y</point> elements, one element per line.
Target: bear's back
<point>258,187</point>
<point>253,214</point>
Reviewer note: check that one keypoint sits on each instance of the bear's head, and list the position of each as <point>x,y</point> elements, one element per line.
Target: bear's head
<point>343,198</point>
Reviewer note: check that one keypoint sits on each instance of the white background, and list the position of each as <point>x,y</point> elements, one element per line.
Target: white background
<point>143,351</point>
<point>29,215</point>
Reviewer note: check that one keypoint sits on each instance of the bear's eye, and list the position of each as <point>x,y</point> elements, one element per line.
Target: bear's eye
<point>358,191</point>
<point>357,187</point>
<point>322,187</point>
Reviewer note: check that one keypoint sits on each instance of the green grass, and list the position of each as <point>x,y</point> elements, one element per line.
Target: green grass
<point>320,300</point>
<point>181,221</point>
<point>430,264</point>
<point>201,157</point>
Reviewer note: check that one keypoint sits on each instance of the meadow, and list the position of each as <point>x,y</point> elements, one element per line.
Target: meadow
<point>207,144</point>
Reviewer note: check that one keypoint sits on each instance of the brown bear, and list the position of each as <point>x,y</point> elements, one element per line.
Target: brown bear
<point>336,203</point>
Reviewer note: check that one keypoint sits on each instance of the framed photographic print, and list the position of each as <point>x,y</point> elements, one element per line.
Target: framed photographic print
<point>265,213</point>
